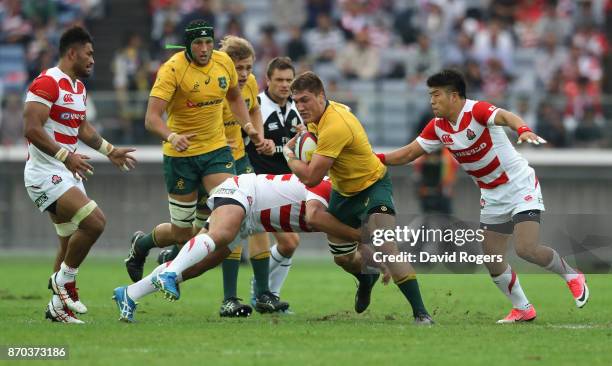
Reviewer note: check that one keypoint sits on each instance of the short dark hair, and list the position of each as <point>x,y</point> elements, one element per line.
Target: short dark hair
<point>307,81</point>
<point>72,36</point>
<point>450,79</point>
<point>279,63</point>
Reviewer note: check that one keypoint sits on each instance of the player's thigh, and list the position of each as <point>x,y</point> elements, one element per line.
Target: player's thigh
<point>225,223</point>
<point>526,231</point>
<point>258,243</point>
<point>74,206</point>
<point>496,240</point>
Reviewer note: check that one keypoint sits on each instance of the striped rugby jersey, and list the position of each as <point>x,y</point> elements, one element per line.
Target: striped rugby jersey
<point>67,103</point>
<point>480,146</point>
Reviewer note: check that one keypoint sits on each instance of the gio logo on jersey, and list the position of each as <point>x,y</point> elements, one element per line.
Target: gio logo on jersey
<point>222,82</point>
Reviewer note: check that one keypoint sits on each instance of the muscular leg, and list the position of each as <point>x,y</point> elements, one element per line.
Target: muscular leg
<point>182,214</point>
<point>528,247</point>
<point>89,228</point>
<point>79,223</point>
<point>224,226</point>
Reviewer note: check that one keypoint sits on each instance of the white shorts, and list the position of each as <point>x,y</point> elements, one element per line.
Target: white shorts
<point>498,205</point>
<point>44,188</point>
<point>241,189</point>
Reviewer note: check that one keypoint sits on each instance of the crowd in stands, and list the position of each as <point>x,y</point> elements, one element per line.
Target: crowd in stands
<point>547,60</point>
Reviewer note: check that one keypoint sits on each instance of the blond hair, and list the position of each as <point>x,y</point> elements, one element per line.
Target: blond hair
<point>237,48</point>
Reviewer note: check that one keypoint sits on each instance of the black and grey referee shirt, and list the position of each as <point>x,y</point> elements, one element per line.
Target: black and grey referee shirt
<point>280,126</point>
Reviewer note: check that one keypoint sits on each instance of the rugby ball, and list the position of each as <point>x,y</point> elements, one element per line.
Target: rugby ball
<point>305,145</point>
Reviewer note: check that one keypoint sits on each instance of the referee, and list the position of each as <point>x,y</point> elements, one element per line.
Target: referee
<point>280,122</point>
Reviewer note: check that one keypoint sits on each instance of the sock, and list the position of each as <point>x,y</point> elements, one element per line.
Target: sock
<point>410,288</point>
<point>362,277</point>
<point>508,283</point>
<point>66,274</point>
<point>192,252</point>
<point>145,243</point>
<point>279,269</point>
<point>261,271</point>
<point>230,267</point>
<point>144,287</point>
<point>560,267</point>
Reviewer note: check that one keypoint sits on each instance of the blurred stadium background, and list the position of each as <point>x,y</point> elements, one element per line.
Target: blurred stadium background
<point>546,60</point>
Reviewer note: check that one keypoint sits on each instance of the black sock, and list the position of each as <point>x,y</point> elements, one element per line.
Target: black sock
<point>410,289</point>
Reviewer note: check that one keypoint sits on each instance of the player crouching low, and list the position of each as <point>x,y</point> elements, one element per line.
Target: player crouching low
<point>242,205</point>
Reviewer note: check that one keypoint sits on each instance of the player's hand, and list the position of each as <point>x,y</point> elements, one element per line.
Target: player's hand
<point>122,159</point>
<point>78,165</point>
<point>530,138</point>
<point>180,142</point>
<point>291,143</point>
<point>301,128</point>
<point>288,153</point>
<point>386,274</point>
<point>268,148</point>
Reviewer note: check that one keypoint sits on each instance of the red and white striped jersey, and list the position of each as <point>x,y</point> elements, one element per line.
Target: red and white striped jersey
<point>280,202</point>
<point>478,144</point>
<point>67,103</point>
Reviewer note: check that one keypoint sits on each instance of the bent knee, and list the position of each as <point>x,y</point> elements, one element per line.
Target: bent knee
<point>289,244</point>
<point>181,235</point>
<point>526,250</point>
<point>94,223</point>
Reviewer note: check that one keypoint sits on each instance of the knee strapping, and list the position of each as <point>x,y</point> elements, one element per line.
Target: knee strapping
<point>200,219</point>
<point>66,229</point>
<point>182,214</point>
<point>340,249</point>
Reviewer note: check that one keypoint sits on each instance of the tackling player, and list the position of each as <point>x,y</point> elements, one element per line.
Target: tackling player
<point>54,121</point>
<point>191,87</point>
<point>511,199</point>
<point>362,194</point>
<point>242,205</point>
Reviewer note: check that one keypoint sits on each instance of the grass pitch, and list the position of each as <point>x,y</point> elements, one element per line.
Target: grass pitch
<point>324,330</point>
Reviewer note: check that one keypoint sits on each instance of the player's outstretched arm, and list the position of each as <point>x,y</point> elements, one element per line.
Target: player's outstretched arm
<point>507,118</point>
<point>319,219</point>
<point>403,155</point>
<point>35,116</point>
<point>119,156</point>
